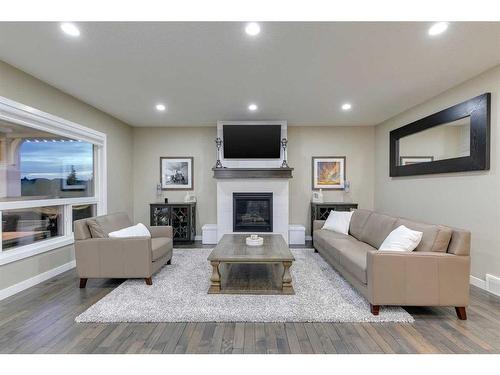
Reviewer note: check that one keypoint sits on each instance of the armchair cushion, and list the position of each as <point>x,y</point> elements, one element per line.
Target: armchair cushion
<point>100,226</point>
<point>160,247</point>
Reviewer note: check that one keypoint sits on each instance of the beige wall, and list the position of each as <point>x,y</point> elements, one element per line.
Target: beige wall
<point>150,144</point>
<point>467,200</point>
<point>356,143</point>
<point>26,89</point>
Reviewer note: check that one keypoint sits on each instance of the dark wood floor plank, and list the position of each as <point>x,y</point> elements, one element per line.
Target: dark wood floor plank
<point>216,340</point>
<point>249,344</point>
<point>239,338</point>
<point>293,340</point>
<point>260,338</point>
<point>183,342</point>
<point>228,338</point>
<point>305,344</point>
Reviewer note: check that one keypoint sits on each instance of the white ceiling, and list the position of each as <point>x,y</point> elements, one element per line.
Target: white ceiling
<point>204,72</point>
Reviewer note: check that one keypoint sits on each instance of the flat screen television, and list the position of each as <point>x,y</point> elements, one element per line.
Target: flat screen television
<point>252,141</point>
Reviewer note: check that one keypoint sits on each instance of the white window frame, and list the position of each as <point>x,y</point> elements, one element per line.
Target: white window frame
<point>22,114</point>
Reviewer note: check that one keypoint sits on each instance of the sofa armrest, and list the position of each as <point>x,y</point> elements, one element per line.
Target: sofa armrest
<point>317,224</point>
<point>114,257</point>
<point>417,278</point>
<point>161,231</point>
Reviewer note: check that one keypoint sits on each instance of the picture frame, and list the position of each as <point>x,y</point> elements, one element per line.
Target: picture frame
<point>328,172</point>
<point>177,173</point>
<point>409,160</point>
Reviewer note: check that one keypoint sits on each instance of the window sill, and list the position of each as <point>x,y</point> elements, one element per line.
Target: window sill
<point>22,252</point>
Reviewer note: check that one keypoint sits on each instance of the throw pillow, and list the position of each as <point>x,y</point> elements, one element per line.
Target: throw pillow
<point>95,229</point>
<point>138,230</point>
<point>401,239</point>
<point>338,221</point>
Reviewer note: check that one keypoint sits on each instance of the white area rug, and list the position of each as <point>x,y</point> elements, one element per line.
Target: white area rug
<point>179,294</point>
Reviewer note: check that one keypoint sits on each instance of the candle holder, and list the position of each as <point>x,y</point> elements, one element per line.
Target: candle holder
<point>218,143</point>
<point>284,143</point>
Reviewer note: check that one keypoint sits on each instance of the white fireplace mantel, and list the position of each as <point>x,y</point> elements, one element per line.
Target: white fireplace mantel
<point>279,187</point>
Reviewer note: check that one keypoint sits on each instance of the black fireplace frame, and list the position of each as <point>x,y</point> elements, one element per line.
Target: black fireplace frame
<point>257,228</point>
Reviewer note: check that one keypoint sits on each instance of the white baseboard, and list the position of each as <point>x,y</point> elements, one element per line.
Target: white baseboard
<point>490,285</point>
<point>28,283</point>
<point>477,282</point>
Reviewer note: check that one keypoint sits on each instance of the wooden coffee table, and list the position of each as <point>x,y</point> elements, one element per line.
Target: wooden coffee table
<point>241,269</point>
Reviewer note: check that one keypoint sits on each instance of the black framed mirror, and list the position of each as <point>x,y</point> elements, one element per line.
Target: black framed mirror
<point>456,139</point>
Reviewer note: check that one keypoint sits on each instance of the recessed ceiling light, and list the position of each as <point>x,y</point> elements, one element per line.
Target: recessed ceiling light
<point>252,28</point>
<point>70,29</point>
<point>346,106</point>
<point>438,28</point>
<point>253,107</point>
<point>161,107</point>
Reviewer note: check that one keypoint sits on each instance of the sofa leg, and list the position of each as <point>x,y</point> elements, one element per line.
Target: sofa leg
<point>83,282</point>
<point>375,309</point>
<point>148,280</point>
<point>461,314</point>
<point>169,261</point>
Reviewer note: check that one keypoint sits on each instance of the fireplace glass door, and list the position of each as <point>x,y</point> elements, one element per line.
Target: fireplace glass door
<point>252,212</point>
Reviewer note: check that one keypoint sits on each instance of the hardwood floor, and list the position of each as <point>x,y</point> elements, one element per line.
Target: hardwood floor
<point>41,320</point>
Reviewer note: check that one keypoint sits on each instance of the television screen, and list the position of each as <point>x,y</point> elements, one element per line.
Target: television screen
<point>252,141</point>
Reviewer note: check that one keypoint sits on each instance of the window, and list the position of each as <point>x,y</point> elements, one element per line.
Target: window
<point>52,172</point>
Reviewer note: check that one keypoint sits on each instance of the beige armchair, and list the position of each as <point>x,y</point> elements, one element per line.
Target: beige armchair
<point>98,256</point>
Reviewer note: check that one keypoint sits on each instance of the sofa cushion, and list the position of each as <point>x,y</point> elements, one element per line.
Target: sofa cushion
<point>328,241</point>
<point>358,221</point>
<point>435,237</point>
<point>353,259</point>
<point>100,226</point>
<point>377,228</point>
<point>160,247</point>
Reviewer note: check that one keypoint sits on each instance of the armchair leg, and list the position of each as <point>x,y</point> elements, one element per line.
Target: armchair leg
<point>148,280</point>
<point>83,282</point>
<point>315,250</point>
<point>169,261</point>
<point>375,309</point>
<point>461,314</point>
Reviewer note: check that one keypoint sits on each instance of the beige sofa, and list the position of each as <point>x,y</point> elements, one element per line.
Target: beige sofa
<point>135,257</point>
<point>436,273</point>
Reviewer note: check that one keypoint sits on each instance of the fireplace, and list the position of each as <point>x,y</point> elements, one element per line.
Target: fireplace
<point>252,212</point>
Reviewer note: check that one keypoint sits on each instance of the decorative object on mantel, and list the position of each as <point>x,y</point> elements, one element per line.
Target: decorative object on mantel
<point>254,240</point>
<point>221,173</point>
<point>180,215</point>
<point>218,143</point>
<point>328,172</point>
<point>176,173</point>
<point>284,143</point>
<point>190,197</point>
<point>317,196</point>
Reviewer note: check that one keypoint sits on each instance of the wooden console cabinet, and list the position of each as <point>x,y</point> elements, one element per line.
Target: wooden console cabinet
<point>181,216</point>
